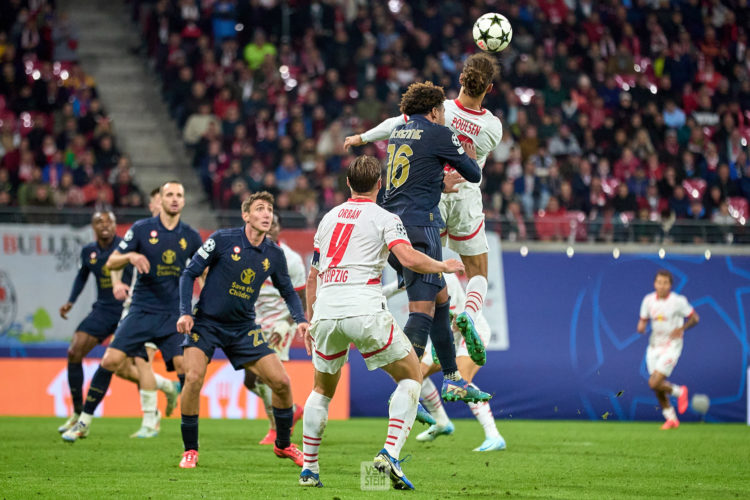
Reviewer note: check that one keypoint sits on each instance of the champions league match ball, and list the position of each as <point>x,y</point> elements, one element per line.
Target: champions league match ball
<point>700,403</point>
<point>492,32</point>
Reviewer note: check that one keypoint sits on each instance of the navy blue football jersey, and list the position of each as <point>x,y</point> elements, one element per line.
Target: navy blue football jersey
<point>93,260</point>
<point>417,153</point>
<point>237,270</point>
<point>168,252</point>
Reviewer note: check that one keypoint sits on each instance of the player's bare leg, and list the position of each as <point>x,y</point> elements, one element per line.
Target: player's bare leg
<point>663,389</point>
<point>271,371</point>
<point>257,387</point>
<point>81,344</point>
<point>195,363</point>
<point>476,290</point>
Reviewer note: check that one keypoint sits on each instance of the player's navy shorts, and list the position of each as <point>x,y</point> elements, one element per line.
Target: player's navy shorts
<point>241,343</point>
<point>101,322</point>
<point>426,239</point>
<point>139,327</point>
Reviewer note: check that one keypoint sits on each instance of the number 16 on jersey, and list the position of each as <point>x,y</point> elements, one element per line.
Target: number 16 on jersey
<point>398,165</point>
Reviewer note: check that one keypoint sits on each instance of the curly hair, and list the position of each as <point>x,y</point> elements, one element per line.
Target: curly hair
<point>479,72</point>
<point>420,98</point>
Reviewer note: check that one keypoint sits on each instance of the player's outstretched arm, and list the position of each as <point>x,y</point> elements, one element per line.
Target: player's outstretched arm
<point>378,133</point>
<point>423,264</point>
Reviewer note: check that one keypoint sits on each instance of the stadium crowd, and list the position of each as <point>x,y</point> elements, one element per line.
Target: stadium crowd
<point>57,147</point>
<point>617,115</point>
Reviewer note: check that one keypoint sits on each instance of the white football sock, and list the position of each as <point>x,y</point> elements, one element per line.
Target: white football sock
<point>148,406</point>
<point>483,412</point>
<point>86,418</point>
<point>433,403</point>
<point>669,413</point>
<point>676,390</point>
<point>476,290</point>
<point>401,414</point>
<point>313,424</point>
<point>163,384</point>
<point>264,393</point>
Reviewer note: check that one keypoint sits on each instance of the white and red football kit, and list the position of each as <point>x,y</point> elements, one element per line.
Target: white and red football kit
<point>271,311</point>
<point>352,245</point>
<point>665,315</point>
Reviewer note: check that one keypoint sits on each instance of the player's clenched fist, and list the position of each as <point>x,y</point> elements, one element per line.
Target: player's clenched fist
<point>185,323</point>
<point>353,141</point>
<point>453,266</point>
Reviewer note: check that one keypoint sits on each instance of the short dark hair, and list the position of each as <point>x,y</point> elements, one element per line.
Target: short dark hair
<point>363,174</point>
<point>479,71</point>
<point>155,191</point>
<point>666,274</point>
<point>99,213</point>
<point>161,188</point>
<point>260,195</point>
<point>421,98</point>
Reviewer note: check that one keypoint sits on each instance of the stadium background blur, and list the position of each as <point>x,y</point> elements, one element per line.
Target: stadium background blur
<point>623,122</point>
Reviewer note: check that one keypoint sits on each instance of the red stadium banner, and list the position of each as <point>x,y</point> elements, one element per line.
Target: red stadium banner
<point>42,390</point>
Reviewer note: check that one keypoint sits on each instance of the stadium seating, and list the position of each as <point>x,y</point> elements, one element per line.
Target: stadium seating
<point>38,97</point>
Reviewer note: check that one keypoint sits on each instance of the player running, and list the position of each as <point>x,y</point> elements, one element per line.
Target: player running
<point>278,326</point>
<point>158,248</point>
<point>667,312</point>
<point>121,290</point>
<point>239,260</point>
<point>351,248</point>
<point>105,313</point>
<point>468,368</point>
<point>462,213</point>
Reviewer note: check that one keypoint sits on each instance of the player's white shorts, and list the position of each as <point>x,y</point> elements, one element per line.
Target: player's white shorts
<point>286,331</point>
<point>663,358</point>
<point>483,329</point>
<point>377,336</point>
<point>464,222</point>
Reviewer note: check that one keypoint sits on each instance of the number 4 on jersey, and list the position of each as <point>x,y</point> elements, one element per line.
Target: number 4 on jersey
<point>339,241</point>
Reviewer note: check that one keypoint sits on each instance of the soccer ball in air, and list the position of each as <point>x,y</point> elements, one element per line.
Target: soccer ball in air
<point>492,32</point>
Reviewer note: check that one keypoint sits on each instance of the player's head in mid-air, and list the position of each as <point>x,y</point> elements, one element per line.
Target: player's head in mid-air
<point>663,283</point>
<point>363,176</point>
<point>103,224</point>
<point>424,99</point>
<point>257,211</point>
<point>172,195</point>
<point>478,75</point>
<point>154,202</point>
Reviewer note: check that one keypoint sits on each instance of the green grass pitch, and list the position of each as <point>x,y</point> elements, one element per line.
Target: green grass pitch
<point>544,459</point>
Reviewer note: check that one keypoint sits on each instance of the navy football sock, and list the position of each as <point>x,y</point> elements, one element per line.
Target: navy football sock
<point>283,418</point>
<point>97,390</point>
<point>75,382</point>
<point>189,427</point>
<point>181,377</point>
<point>442,338</point>
<point>417,329</point>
